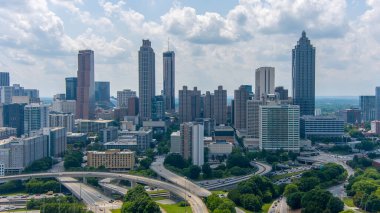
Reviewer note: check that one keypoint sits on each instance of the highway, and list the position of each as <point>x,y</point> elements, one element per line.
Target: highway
<point>158,167</point>
<point>195,202</point>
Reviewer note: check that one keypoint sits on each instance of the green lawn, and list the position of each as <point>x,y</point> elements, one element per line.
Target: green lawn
<point>116,210</point>
<point>278,177</point>
<point>218,192</point>
<point>14,193</point>
<point>175,208</point>
<point>264,209</point>
<point>349,201</point>
<point>157,191</point>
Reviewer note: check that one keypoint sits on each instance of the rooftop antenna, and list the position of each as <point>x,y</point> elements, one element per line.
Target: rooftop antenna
<point>168,43</point>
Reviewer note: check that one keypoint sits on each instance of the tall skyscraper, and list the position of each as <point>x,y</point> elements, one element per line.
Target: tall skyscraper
<point>158,107</point>
<point>208,105</point>
<point>282,93</point>
<point>102,91</point>
<point>192,142</point>
<point>220,106</point>
<point>303,73</point>
<point>169,80</point>
<point>13,116</point>
<point>189,104</point>
<point>4,79</point>
<point>123,96</point>
<point>71,88</point>
<point>85,108</point>
<point>377,104</point>
<point>36,116</point>
<point>367,105</point>
<point>147,80</point>
<point>279,127</point>
<point>241,96</point>
<point>264,82</point>
<point>253,122</point>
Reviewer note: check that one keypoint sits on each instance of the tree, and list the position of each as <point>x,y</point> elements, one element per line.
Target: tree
<point>335,205</point>
<point>237,171</point>
<point>194,172</point>
<point>145,163</point>
<point>315,198</point>
<point>234,195</point>
<point>294,200</point>
<point>251,202</point>
<point>207,171</point>
<point>175,160</point>
<point>137,200</point>
<point>40,165</point>
<point>290,189</point>
<point>150,153</point>
<point>308,183</point>
<point>237,159</point>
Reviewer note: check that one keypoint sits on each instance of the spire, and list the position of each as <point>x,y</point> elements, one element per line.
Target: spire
<point>303,33</point>
<point>168,44</point>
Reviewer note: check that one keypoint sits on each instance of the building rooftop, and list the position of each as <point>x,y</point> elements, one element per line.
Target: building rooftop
<point>95,121</point>
<point>111,151</point>
<point>178,133</point>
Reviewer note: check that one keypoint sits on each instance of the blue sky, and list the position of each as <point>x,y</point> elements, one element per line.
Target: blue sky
<point>217,42</point>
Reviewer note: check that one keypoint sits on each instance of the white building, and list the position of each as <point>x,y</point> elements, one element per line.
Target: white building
<point>264,82</point>
<point>123,96</point>
<point>64,106</point>
<point>253,124</point>
<point>192,142</point>
<point>175,142</point>
<point>57,140</point>
<point>279,127</point>
<point>36,116</point>
<point>220,148</point>
<point>6,132</point>
<point>62,120</point>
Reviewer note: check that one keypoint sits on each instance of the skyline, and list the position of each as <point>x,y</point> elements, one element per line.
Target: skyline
<point>44,39</point>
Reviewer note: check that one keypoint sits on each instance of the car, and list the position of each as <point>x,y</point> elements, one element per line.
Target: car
<point>189,195</point>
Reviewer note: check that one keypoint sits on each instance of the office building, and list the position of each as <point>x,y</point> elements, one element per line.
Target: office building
<point>6,94</point>
<point>6,132</point>
<point>208,105</point>
<point>375,127</point>
<point>279,127</point>
<point>158,107</point>
<point>144,138</point>
<point>169,80</point>
<point>377,104</point>
<point>36,117</point>
<point>264,80</point>
<point>64,106</point>
<point>220,106</point>
<point>66,120</point>
<point>123,97</point>
<point>241,97</point>
<point>2,169</point>
<point>111,159</point>
<point>71,88</point>
<point>351,116</point>
<point>102,91</point>
<point>253,122</point>
<point>321,126</point>
<point>93,126</point>
<point>189,104</point>
<point>59,96</point>
<point>281,93</point>
<point>133,106</point>
<point>108,134</point>
<point>33,94</point>
<point>4,79</point>
<point>367,105</point>
<point>85,103</point>
<point>208,125</point>
<point>13,116</point>
<point>303,72</point>
<point>224,133</point>
<point>57,141</point>
<point>124,142</point>
<point>219,148</point>
<point>175,142</point>
<point>147,80</point>
<point>192,142</point>
<point>73,138</point>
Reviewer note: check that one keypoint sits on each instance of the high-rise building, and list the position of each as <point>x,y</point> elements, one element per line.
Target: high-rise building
<point>368,107</point>
<point>175,142</point>
<point>253,122</point>
<point>111,159</point>
<point>220,106</point>
<point>158,107</point>
<point>133,106</point>
<point>71,88</point>
<point>85,105</point>
<point>321,126</point>
<point>303,72</point>
<point>147,80</point>
<point>264,82</point>
<point>169,79</point>
<point>57,140</point>
<point>13,116</point>
<point>281,93</point>
<point>64,106</point>
<point>62,120</point>
<point>377,104</point>
<point>189,104</point>
<point>241,97</point>
<point>279,127</point>
<point>6,94</point>
<point>102,91</point>
<point>208,105</point>
<point>36,117</point>
<point>123,96</point>
<point>192,142</point>
<point>4,79</point>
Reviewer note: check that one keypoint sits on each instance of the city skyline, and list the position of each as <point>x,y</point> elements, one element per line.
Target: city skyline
<point>227,47</point>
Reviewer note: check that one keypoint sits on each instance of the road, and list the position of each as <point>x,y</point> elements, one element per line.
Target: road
<point>195,202</point>
<point>158,167</point>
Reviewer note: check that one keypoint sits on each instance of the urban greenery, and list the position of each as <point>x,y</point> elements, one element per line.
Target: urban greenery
<point>359,162</point>
<point>138,201</point>
<point>36,186</point>
<point>220,205</point>
<point>11,187</point>
<point>73,159</point>
<point>40,165</point>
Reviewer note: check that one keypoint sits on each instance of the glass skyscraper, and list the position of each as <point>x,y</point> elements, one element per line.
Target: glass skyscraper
<point>85,104</point>
<point>303,75</point>
<point>71,88</point>
<point>169,79</point>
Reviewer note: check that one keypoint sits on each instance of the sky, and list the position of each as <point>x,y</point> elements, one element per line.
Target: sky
<point>217,42</point>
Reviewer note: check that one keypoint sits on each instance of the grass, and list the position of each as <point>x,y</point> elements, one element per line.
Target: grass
<point>17,210</point>
<point>218,192</point>
<point>264,209</point>
<point>23,192</point>
<point>278,177</point>
<point>116,210</point>
<point>348,201</point>
<point>175,208</point>
<point>157,192</point>
<point>158,198</point>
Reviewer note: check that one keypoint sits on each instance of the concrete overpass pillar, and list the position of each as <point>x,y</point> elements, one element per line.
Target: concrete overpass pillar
<point>133,183</point>
<point>85,180</point>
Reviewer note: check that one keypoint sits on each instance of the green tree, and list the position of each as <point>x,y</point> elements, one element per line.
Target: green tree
<point>237,159</point>
<point>308,183</point>
<point>315,198</point>
<point>251,202</point>
<point>207,171</point>
<point>175,160</point>
<point>335,205</point>
<point>145,163</point>
<point>294,200</point>
<point>290,189</point>
<point>237,171</point>
<point>194,172</point>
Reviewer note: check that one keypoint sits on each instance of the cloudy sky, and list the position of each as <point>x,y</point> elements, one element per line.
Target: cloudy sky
<point>217,42</point>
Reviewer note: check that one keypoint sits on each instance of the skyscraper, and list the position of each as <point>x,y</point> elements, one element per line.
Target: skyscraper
<point>189,104</point>
<point>85,108</point>
<point>264,82</point>
<point>241,96</point>
<point>123,96</point>
<point>303,74</point>
<point>13,116</point>
<point>377,104</point>
<point>367,105</point>
<point>282,93</point>
<point>253,123</point>
<point>36,116</point>
<point>192,142</point>
<point>208,105</point>
<point>220,106</point>
<point>71,88</point>
<point>4,79</point>
<point>102,91</point>
<point>169,79</point>
<point>158,107</point>
<point>147,79</point>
